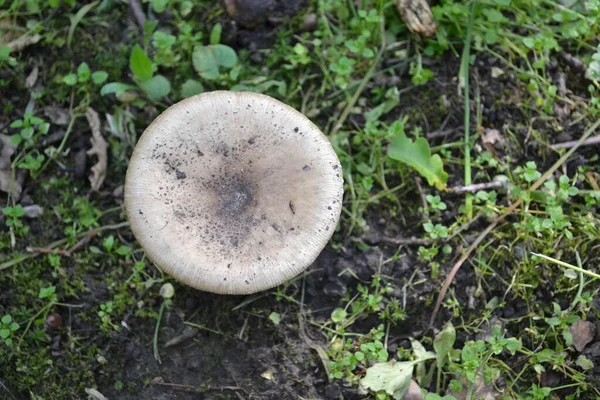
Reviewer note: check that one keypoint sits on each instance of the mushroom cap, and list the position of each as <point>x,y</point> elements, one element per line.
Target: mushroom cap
<point>233,192</point>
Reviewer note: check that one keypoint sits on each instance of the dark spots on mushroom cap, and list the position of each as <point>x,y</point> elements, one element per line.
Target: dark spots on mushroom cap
<point>296,129</point>
<point>305,168</point>
<point>276,227</point>
<point>180,174</point>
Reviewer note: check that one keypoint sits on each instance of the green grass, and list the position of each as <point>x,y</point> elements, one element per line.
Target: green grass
<point>516,265</point>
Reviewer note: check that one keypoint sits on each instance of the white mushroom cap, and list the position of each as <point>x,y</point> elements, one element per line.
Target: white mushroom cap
<point>232,192</point>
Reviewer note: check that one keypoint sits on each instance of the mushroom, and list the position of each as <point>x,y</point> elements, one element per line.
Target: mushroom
<point>233,193</point>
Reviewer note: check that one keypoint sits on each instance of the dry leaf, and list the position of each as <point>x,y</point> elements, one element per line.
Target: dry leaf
<point>58,115</point>
<point>583,332</point>
<point>95,394</point>
<point>413,392</point>
<point>268,375</point>
<point>32,77</point>
<point>492,137</point>
<point>33,211</point>
<point>417,16</point>
<point>23,42</point>
<point>480,390</point>
<point>7,184</point>
<point>186,335</point>
<point>99,149</point>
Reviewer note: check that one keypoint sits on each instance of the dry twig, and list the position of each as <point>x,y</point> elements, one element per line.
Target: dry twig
<point>573,143</point>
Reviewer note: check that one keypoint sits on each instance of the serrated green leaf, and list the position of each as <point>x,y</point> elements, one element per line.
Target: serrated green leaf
<point>392,377</point>
<point>140,64</point>
<point>417,154</point>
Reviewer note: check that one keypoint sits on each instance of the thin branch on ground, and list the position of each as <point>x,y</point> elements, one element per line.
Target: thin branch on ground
<point>509,211</point>
<point>138,13</point>
<point>568,145</point>
<point>477,187</point>
<point>66,253</point>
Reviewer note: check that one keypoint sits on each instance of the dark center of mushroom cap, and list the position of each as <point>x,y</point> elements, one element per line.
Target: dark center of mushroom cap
<point>234,195</point>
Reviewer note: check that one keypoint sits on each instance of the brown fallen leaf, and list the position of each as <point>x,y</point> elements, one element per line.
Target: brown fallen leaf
<point>99,149</point>
<point>417,16</point>
<point>7,183</point>
<point>583,332</point>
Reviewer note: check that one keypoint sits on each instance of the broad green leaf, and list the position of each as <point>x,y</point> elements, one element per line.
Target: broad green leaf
<point>70,79</point>
<point>584,363</point>
<point>275,318</point>
<point>191,88</point>
<point>493,15</point>
<point>99,77</point>
<point>117,88</point>
<point>156,87</point>
<point>4,333</point>
<point>419,350</point>
<point>338,315</point>
<point>443,343</point>
<point>215,34</point>
<point>225,55</point>
<point>417,154</point>
<point>84,72</point>
<point>7,319</point>
<point>140,64</point>
<point>159,5</point>
<point>123,250</point>
<point>208,59</point>
<point>205,63</point>
<point>4,52</point>
<point>392,377</point>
